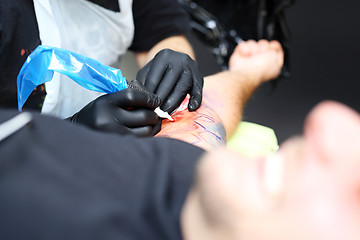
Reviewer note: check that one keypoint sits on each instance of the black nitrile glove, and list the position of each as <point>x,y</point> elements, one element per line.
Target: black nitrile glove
<point>130,111</point>
<point>172,75</point>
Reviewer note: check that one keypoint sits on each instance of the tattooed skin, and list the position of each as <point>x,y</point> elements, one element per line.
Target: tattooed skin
<point>202,128</point>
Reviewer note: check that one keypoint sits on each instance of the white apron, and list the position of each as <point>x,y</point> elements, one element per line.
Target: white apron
<point>85,28</point>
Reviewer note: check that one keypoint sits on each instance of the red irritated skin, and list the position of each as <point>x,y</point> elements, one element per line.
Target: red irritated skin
<point>202,128</point>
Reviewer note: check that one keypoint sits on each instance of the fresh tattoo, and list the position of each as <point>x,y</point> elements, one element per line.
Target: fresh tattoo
<point>202,128</point>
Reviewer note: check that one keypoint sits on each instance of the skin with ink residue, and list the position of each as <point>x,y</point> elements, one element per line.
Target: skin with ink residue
<point>202,128</point>
<point>225,95</point>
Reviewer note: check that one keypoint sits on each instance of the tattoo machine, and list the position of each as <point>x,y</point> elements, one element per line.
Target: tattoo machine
<point>41,64</point>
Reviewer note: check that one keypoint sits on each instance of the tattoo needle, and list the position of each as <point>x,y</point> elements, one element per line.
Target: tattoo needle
<point>163,114</point>
<point>138,86</point>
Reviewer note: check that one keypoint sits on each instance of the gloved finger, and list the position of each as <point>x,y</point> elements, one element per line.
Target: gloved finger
<point>197,88</point>
<point>135,84</point>
<point>114,126</point>
<point>155,75</point>
<point>195,101</point>
<point>133,98</point>
<point>143,72</point>
<point>141,131</point>
<point>168,83</point>
<point>136,118</point>
<point>178,94</point>
<point>156,128</point>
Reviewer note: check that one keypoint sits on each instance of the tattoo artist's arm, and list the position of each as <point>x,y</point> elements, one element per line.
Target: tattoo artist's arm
<point>175,43</point>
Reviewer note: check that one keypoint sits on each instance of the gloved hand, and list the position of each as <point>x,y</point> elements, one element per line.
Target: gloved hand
<point>130,111</point>
<point>172,75</point>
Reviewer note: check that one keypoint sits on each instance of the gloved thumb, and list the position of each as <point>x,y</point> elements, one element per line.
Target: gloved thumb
<point>135,96</point>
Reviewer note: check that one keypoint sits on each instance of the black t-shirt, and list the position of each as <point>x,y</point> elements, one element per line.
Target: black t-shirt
<point>59,181</point>
<point>19,35</point>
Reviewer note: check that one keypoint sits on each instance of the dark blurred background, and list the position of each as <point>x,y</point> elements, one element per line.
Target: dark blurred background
<point>324,62</point>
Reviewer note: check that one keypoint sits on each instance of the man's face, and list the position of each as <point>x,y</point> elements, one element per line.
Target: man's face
<point>310,190</point>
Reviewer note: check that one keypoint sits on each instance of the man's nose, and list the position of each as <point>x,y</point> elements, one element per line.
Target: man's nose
<point>333,131</point>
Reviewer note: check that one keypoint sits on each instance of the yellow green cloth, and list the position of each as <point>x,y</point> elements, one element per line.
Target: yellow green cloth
<point>253,140</point>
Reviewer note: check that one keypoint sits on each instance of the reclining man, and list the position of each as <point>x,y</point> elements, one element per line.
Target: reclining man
<point>60,181</point>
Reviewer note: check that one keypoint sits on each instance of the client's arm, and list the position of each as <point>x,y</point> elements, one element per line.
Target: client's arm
<point>225,95</point>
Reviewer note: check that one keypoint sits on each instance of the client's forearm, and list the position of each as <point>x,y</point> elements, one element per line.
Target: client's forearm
<point>226,93</point>
<point>202,128</point>
<point>224,97</point>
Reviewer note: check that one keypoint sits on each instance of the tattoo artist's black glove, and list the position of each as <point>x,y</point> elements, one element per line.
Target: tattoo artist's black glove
<point>172,75</point>
<point>130,111</point>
